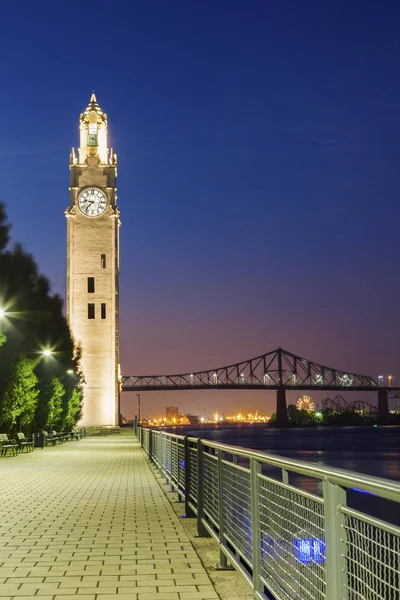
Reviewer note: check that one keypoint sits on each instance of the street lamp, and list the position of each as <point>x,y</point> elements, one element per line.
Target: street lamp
<point>47,352</point>
<point>138,407</point>
<point>390,380</point>
<point>2,313</point>
<point>380,379</point>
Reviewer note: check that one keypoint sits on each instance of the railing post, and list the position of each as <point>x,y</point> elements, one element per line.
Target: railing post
<point>188,510</point>
<point>159,452</point>
<point>255,470</point>
<point>285,476</point>
<point>335,541</point>
<point>223,562</point>
<point>150,445</point>
<point>179,469</point>
<point>164,458</point>
<point>201,530</point>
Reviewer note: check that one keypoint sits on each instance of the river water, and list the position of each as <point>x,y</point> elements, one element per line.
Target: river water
<point>370,450</point>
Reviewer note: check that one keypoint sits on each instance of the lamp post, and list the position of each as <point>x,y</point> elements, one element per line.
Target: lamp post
<point>138,397</point>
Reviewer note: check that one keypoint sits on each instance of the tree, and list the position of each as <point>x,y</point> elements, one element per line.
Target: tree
<point>300,418</point>
<point>74,412</point>
<point>49,408</point>
<point>36,322</point>
<point>20,393</point>
<point>55,406</point>
<point>4,228</point>
<point>4,238</point>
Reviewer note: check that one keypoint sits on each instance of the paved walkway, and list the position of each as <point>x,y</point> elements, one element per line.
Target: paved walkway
<point>88,519</point>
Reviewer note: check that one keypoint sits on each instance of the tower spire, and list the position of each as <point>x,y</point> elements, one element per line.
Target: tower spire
<point>93,132</point>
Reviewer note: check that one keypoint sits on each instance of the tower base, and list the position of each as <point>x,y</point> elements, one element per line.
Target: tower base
<point>102,430</point>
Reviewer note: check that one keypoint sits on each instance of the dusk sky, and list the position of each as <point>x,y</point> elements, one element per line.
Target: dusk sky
<point>258,152</point>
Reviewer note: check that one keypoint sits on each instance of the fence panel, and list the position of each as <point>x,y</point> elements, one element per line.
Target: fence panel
<point>372,557</point>
<point>292,541</point>
<point>211,488</point>
<point>236,507</point>
<point>193,467</point>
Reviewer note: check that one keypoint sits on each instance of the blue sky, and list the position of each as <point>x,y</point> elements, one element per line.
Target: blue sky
<point>258,147</point>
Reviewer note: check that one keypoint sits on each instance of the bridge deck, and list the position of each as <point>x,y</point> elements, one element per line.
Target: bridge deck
<point>88,519</point>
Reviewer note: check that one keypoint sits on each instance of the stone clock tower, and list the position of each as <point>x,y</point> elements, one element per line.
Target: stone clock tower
<point>93,266</point>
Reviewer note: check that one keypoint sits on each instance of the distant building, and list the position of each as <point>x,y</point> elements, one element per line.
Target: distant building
<point>193,419</point>
<point>171,412</point>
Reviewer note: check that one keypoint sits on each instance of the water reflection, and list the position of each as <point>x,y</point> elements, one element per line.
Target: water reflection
<point>371,450</point>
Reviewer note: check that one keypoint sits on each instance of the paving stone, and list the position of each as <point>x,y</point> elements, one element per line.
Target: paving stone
<point>81,597</point>
<point>89,520</point>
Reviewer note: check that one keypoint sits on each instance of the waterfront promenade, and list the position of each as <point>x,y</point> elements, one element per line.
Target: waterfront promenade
<point>88,519</point>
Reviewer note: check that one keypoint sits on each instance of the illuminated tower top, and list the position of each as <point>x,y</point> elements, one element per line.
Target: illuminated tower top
<point>93,135</point>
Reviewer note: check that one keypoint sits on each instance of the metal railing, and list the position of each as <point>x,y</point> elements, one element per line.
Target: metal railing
<point>287,542</point>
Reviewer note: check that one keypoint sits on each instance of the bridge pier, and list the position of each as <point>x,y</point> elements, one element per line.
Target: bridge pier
<point>383,406</point>
<point>281,408</point>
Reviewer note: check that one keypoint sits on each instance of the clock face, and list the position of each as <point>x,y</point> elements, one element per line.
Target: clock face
<point>92,202</point>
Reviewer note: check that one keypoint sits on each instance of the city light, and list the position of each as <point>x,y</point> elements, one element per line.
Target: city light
<point>216,419</point>
<point>248,418</point>
<point>47,352</point>
<point>2,313</point>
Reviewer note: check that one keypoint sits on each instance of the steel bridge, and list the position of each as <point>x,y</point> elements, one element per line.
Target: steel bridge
<point>278,370</point>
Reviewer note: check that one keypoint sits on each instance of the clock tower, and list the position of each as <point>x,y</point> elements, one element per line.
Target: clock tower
<point>93,267</point>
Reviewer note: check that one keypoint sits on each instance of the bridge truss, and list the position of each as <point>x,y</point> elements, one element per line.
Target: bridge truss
<point>276,369</point>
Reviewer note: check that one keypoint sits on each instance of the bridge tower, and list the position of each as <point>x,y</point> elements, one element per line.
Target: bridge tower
<point>383,406</point>
<point>93,266</point>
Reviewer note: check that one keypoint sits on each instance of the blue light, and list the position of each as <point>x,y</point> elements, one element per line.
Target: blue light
<point>182,464</point>
<point>309,550</point>
<point>363,492</point>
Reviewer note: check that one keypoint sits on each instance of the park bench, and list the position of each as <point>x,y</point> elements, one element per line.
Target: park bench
<point>7,445</point>
<point>49,438</point>
<point>23,443</point>
<point>61,437</point>
<point>74,435</point>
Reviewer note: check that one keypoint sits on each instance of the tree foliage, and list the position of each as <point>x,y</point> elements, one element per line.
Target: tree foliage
<point>74,412</point>
<point>20,395</point>
<point>33,388</point>
<point>50,405</point>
